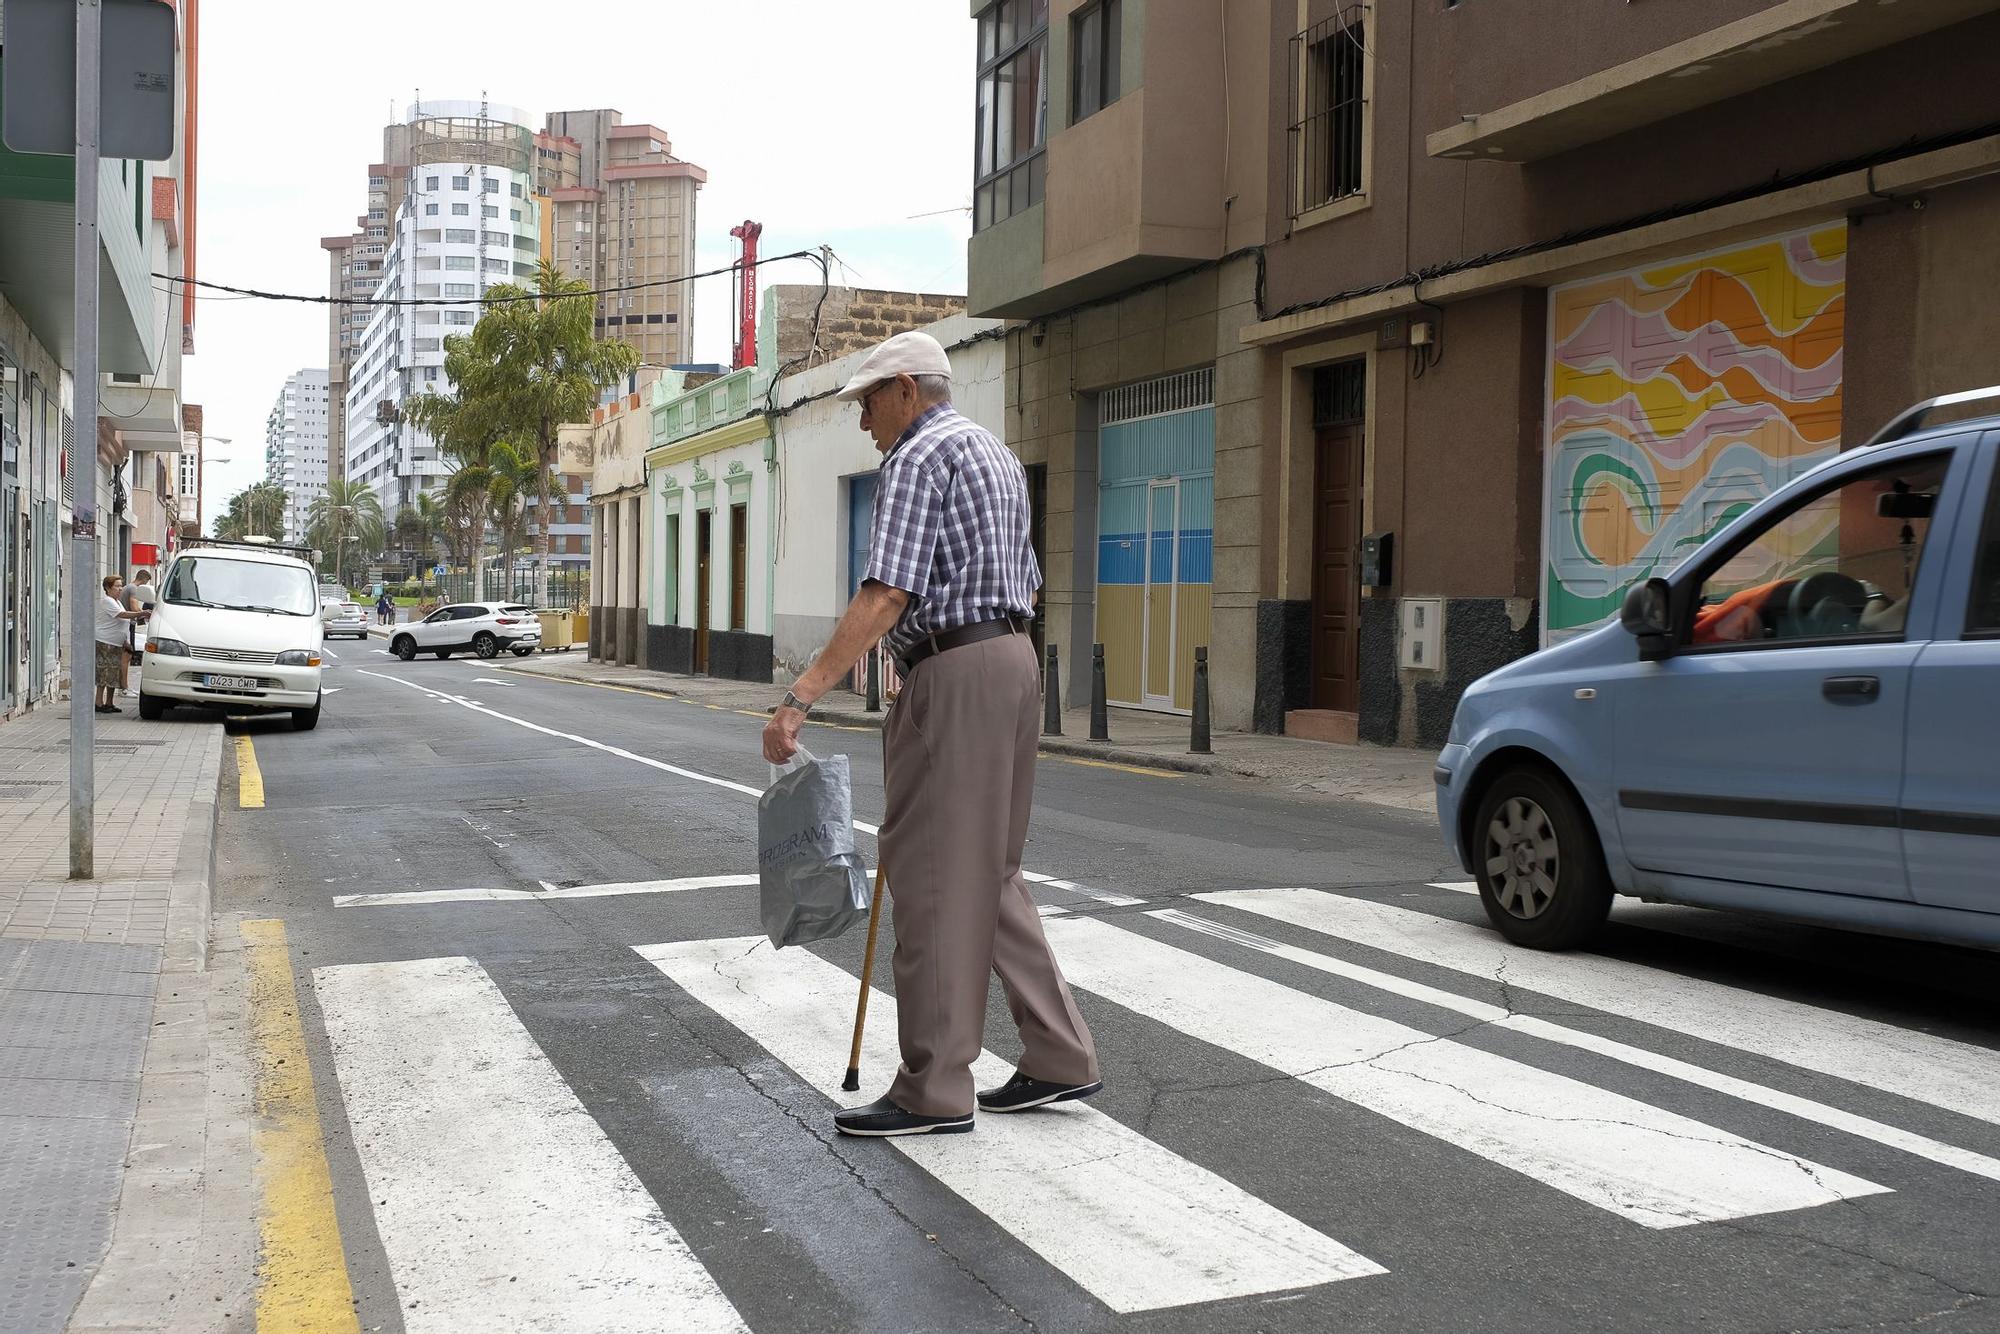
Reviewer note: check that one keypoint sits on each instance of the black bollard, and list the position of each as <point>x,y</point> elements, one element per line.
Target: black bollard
<point>1100,718</point>
<point>875,679</point>
<point>1052,698</point>
<point>1198,740</point>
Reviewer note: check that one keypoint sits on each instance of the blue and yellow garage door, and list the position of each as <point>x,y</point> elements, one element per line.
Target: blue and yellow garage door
<point>1155,536</point>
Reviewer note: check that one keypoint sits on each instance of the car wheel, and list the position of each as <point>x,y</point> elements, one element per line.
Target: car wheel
<point>304,720</point>
<point>404,647</point>
<point>522,652</point>
<point>1541,871</point>
<point>151,709</point>
<point>485,645</point>
<point>443,653</point>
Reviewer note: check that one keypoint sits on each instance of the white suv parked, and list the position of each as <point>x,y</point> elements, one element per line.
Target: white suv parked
<point>484,628</point>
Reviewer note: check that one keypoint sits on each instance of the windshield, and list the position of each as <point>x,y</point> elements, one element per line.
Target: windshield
<point>219,581</point>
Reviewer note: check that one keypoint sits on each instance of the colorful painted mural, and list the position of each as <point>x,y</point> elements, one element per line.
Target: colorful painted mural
<point>1155,543</point>
<point>1680,395</point>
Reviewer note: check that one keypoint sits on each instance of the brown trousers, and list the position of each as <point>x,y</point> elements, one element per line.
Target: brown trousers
<point>958,758</point>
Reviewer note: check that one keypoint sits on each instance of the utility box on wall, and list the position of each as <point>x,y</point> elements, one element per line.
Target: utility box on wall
<point>1376,552</point>
<point>1420,646</point>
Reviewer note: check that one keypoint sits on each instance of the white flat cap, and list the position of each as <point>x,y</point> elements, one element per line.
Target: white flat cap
<point>912,353</point>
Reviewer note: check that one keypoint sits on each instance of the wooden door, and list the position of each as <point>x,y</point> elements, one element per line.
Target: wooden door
<point>1336,585</point>
<point>739,567</point>
<point>704,539</point>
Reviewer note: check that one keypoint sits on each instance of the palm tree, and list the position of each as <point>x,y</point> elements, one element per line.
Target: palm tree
<point>511,477</point>
<point>347,514</point>
<point>255,511</point>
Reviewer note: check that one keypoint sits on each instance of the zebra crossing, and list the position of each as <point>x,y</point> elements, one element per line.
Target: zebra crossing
<point>501,1202</point>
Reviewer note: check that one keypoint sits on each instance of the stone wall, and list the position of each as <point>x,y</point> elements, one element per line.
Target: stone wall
<point>853,319</point>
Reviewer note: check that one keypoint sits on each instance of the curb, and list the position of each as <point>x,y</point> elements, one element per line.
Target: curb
<point>186,947</point>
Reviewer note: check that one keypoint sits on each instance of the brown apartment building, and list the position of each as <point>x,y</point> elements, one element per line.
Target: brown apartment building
<point>1376,345</point>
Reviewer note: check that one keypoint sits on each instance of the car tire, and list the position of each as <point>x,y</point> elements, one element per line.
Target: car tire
<point>151,709</point>
<point>443,653</point>
<point>304,720</point>
<point>404,647</point>
<point>522,652</point>
<point>1540,867</point>
<point>485,645</point>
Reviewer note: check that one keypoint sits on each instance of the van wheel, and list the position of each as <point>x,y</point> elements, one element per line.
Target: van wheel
<point>150,708</point>
<point>485,645</point>
<point>304,720</point>
<point>404,647</point>
<point>1541,871</point>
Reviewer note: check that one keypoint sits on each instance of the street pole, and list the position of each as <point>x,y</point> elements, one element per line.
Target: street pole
<point>83,535</point>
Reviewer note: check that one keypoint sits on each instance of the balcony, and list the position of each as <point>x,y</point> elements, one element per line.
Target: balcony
<point>1787,39</point>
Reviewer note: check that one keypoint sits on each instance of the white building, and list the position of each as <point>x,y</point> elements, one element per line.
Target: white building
<point>460,228</point>
<point>295,438</point>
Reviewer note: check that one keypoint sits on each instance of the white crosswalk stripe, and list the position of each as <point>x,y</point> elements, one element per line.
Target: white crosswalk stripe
<point>500,1203</point>
<point>1916,1065</point>
<point>1807,1109</point>
<point>1136,1225</point>
<point>1642,1163</point>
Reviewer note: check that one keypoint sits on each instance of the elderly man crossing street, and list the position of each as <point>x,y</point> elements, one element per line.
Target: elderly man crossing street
<point>950,586</point>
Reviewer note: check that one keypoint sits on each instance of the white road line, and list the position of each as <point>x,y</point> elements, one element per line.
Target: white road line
<point>1643,1163</point>
<point>490,681</point>
<point>329,690</point>
<point>1107,896</point>
<point>499,1201</point>
<point>1957,1076</point>
<point>385,653</point>
<point>421,896</point>
<point>1137,1226</point>
<point>1457,886</point>
<point>1806,1109</point>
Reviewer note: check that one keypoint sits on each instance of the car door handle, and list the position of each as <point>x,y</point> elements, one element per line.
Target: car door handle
<point>1851,687</point>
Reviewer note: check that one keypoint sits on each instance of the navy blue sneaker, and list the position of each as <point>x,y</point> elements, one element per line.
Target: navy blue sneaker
<point>1022,1092</point>
<point>883,1118</point>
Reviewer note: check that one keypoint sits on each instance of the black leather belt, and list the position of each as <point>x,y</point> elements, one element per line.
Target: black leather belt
<point>959,638</point>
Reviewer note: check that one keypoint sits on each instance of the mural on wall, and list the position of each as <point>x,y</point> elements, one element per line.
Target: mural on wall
<point>1681,394</point>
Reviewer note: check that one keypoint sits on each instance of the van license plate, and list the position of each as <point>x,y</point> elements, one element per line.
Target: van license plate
<point>230,682</point>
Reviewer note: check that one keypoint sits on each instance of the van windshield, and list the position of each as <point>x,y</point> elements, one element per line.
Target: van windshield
<point>243,585</point>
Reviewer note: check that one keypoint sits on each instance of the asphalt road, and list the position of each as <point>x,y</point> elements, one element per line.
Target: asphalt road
<point>1334,1101</point>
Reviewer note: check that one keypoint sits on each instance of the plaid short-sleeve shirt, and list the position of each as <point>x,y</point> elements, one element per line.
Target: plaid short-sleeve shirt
<point>951,529</point>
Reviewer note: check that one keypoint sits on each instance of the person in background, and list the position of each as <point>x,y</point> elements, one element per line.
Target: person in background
<point>140,595</point>
<point>385,610</point>
<point>111,649</point>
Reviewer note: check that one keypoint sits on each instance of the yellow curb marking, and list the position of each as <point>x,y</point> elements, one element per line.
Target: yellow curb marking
<point>1121,768</point>
<point>249,778</point>
<point>302,1274</point>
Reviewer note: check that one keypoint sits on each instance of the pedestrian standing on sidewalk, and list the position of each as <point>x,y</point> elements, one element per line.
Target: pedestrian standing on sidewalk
<point>385,610</point>
<point>139,595</point>
<point>950,583</point>
<point>111,649</point>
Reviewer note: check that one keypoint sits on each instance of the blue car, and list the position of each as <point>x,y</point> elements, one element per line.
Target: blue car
<point>1802,720</point>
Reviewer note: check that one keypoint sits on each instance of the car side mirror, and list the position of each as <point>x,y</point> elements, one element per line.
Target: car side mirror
<point>1648,617</point>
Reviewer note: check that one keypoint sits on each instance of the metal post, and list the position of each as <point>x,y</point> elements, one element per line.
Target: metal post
<point>875,679</point>
<point>1052,698</point>
<point>1100,718</point>
<point>83,587</point>
<point>1198,738</point>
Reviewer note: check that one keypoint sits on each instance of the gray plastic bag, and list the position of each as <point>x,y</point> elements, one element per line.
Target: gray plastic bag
<point>811,884</point>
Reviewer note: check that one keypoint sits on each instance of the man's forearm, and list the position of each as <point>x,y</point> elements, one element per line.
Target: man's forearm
<point>870,616</point>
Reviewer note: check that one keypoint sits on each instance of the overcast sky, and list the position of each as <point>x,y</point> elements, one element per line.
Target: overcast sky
<point>829,121</point>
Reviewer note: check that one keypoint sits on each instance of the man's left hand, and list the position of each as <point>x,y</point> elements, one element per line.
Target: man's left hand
<point>781,735</point>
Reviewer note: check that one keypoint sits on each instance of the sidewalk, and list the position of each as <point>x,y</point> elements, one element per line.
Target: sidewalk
<point>103,1047</point>
<point>1381,775</point>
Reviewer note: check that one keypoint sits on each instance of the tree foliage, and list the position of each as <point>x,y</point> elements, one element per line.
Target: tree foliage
<point>345,524</point>
<point>255,511</point>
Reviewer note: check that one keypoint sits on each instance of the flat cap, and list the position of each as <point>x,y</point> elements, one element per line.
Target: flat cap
<point>912,353</point>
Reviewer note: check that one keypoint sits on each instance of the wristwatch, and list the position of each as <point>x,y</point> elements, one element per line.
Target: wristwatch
<point>791,701</point>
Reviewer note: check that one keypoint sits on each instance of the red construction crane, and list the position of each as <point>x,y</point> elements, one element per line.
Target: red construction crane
<point>746,329</point>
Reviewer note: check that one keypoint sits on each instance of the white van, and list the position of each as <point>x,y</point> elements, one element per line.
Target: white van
<point>236,627</point>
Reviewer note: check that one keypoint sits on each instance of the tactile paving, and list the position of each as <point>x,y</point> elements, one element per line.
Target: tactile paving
<point>93,967</point>
<point>62,1177</point>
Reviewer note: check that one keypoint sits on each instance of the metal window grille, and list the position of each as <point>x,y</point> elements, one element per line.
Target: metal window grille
<point>1156,398</point>
<point>1340,393</point>
<point>69,452</point>
<point>1328,109</point>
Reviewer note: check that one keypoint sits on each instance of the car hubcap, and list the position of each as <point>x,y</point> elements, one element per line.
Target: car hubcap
<point>1523,861</point>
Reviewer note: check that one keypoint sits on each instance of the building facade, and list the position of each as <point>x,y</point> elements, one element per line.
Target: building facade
<point>1449,322</point>
<point>295,445</point>
<point>146,225</point>
<point>465,220</point>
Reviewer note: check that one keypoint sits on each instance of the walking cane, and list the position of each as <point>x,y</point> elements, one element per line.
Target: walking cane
<point>853,1079</point>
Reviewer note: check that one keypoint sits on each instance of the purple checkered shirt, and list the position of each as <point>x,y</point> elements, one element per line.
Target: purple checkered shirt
<point>951,529</point>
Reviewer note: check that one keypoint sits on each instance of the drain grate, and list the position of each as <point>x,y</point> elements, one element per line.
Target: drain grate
<point>20,789</point>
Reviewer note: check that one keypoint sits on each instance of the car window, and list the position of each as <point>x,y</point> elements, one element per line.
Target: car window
<point>441,614</point>
<point>467,613</point>
<point>1982,619</point>
<point>523,610</point>
<point>244,585</point>
<point>1838,564</point>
